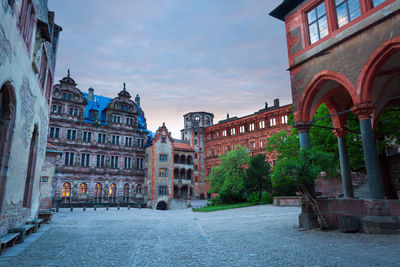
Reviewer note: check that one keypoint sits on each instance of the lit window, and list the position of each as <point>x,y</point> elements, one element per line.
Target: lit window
<point>242,129</point>
<point>262,124</point>
<point>251,127</point>
<point>83,188</point>
<point>284,119</point>
<point>317,23</point>
<point>163,172</point>
<point>347,10</point>
<point>66,190</point>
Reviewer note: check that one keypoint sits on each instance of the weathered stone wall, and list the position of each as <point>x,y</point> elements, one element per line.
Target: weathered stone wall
<point>47,187</point>
<point>31,111</point>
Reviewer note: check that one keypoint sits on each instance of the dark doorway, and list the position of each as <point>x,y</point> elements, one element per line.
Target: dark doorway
<point>162,205</point>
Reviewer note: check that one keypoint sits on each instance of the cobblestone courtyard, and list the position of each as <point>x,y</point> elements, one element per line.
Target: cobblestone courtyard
<point>255,236</point>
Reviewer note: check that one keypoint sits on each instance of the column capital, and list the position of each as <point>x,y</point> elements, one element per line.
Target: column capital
<point>303,126</point>
<point>340,132</point>
<point>363,111</point>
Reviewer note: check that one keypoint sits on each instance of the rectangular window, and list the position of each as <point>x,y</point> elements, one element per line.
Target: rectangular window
<point>233,131</point>
<point>272,122</point>
<point>75,112</point>
<point>242,129</point>
<point>71,111</point>
<point>377,2</point>
<point>116,119</point>
<point>68,96</point>
<point>347,10</point>
<point>251,127</point>
<point>163,190</point>
<point>26,23</point>
<point>139,164</point>
<point>163,157</point>
<point>64,96</point>
<point>69,159</point>
<point>164,139</point>
<point>317,23</point>
<point>163,172</point>
<point>100,161</point>
<point>129,121</point>
<point>195,142</point>
<point>114,162</point>
<point>127,163</point>
<point>224,133</point>
<point>284,119</point>
<point>87,137</point>
<point>101,138</point>
<point>115,140</point>
<point>51,134</point>
<point>54,109</point>
<point>261,124</point>
<point>59,110</point>
<point>85,158</point>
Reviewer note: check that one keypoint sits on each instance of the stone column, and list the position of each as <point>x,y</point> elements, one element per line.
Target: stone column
<point>304,128</point>
<point>363,112</point>
<point>344,162</point>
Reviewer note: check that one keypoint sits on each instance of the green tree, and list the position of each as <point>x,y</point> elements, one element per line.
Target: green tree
<point>257,178</point>
<point>227,178</point>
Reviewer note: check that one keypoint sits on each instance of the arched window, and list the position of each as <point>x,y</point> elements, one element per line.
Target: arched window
<point>113,193</point>
<point>126,193</point>
<point>66,192</point>
<point>7,118</point>
<point>30,174</point>
<point>139,189</point>
<point>196,118</point>
<point>97,192</point>
<point>83,188</point>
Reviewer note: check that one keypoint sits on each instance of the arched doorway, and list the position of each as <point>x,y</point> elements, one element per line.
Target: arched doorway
<point>126,193</point>
<point>113,193</point>
<point>66,192</point>
<point>30,174</point>
<point>162,205</point>
<point>7,119</point>
<point>98,189</point>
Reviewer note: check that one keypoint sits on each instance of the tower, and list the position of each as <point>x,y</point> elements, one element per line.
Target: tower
<point>193,132</point>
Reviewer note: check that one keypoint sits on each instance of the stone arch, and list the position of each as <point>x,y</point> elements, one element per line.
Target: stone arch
<point>377,81</point>
<point>98,190</point>
<point>30,173</point>
<point>182,174</point>
<point>126,193</point>
<point>66,192</point>
<point>112,193</point>
<point>83,188</point>
<point>162,205</point>
<point>7,121</point>
<point>326,87</point>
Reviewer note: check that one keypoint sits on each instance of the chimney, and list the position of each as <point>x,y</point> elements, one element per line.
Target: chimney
<point>276,103</point>
<point>90,94</point>
<point>266,105</point>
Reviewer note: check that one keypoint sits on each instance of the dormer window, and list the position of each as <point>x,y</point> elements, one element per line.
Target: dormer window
<point>317,23</point>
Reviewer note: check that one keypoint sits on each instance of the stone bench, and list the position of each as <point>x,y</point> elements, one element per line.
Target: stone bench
<point>46,216</point>
<point>287,201</point>
<point>36,223</point>
<point>8,240</point>
<point>23,231</point>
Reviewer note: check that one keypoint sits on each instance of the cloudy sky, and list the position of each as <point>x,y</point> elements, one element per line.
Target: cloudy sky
<point>219,56</point>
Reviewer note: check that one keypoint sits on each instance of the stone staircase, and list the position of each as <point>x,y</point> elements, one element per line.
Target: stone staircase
<point>362,191</point>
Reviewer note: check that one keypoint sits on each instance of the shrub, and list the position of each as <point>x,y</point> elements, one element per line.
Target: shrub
<point>253,198</point>
<point>266,198</point>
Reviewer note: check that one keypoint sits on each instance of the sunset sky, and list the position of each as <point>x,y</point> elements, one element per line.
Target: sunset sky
<point>219,56</point>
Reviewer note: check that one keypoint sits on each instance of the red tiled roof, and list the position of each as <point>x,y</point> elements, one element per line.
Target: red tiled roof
<point>183,146</point>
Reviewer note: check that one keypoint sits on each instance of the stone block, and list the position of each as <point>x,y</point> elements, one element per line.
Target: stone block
<point>379,224</point>
<point>308,221</point>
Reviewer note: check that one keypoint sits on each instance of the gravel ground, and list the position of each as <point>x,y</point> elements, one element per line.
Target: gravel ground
<point>254,236</point>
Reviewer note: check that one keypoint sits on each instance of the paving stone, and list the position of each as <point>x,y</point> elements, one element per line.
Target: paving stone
<point>254,236</point>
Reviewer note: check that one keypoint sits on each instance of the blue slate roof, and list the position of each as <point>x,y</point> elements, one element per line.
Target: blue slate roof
<point>100,103</point>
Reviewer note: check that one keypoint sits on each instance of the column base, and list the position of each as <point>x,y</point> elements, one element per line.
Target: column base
<point>380,224</point>
<point>308,221</point>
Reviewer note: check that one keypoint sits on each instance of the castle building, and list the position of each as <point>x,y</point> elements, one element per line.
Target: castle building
<point>169,177</point>
<point>346,54</point>
<point>28,46</point>
<point>195,124</point>
<point>102,140</point>
<point>249,131</point>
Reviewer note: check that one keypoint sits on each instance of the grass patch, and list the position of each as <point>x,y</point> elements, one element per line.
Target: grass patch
<point>224,207</point>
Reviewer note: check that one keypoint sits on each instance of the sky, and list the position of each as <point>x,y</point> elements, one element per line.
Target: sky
<point>218,56</point>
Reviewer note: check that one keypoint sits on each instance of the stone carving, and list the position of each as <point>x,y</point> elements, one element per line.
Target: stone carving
<point>5,48</point>
<point>27,104</point>
<point>44,121</point>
